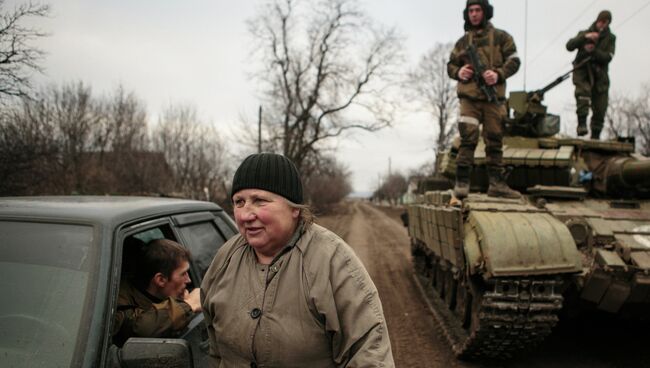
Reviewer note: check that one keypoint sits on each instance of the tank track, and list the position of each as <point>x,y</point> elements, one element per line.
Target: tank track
<point>511,315</point>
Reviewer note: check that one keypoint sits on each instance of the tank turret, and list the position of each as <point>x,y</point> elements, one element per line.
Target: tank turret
<point>527,114</point>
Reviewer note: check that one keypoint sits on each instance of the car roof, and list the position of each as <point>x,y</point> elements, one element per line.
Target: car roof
<point>98,209</point>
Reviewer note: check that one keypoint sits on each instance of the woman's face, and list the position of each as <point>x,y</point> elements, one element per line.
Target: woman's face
<point>265,219</point>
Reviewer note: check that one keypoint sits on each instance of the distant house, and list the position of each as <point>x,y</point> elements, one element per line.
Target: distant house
<point>411,189</point>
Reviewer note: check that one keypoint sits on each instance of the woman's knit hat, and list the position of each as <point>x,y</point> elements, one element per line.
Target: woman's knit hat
<point>271,172</point>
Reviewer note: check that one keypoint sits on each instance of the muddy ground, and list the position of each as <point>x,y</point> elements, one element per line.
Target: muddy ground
<point>380,240</point>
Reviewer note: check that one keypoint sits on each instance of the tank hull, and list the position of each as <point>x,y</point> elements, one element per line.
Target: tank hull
<point>498,271</point>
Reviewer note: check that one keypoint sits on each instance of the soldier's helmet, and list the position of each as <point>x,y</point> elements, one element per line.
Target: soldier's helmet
<point>488,10</point>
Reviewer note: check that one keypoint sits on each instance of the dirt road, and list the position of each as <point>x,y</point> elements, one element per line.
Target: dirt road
<point>382,244</point>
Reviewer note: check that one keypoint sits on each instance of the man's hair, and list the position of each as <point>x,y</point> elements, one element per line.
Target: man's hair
<point>159,255</point>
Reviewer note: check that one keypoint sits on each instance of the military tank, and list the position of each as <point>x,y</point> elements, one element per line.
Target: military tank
<point>499,271</point>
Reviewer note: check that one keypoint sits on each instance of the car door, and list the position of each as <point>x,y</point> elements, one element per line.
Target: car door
<point>203,233</point>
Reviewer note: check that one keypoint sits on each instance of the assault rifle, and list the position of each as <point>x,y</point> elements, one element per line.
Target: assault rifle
<point>474,60</point>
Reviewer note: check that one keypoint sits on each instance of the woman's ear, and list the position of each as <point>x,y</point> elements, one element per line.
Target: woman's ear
<point>295,213</point>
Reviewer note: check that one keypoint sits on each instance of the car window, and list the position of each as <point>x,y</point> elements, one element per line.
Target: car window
<point>134,242</point>
<point>204,240</point>
<point>225,228</point>
<point>149,235</point>
<point>46,285</point>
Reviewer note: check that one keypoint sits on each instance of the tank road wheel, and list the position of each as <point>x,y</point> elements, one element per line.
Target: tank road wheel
<point>435,274</point>
<point>426,263</point>
<point>441,277</point>
<point>418,257</point>
<point>463,307</point>
<point>451,286</point>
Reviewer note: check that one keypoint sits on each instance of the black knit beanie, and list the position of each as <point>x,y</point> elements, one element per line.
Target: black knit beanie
<point>271,172</point>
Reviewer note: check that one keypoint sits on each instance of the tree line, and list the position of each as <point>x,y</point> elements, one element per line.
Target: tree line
<point>65,140</point>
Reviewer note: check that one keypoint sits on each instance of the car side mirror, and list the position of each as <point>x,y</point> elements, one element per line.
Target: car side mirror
<point>152,353</point>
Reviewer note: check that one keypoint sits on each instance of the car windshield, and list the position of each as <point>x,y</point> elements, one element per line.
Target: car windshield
<point>44,278</point>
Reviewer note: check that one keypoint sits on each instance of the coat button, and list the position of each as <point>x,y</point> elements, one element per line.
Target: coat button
<point>256,313</point>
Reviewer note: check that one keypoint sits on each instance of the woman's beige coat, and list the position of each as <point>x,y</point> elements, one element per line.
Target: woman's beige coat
<point>314,306</point>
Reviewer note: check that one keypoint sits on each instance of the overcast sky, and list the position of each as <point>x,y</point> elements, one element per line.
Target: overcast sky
<point>196,52</point>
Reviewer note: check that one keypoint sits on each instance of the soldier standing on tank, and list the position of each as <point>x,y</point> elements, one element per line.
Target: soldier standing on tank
<point>497,51</point>
<point>591,79</point>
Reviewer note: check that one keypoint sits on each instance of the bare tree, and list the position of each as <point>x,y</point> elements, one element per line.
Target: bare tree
<point>120,159</point>
<point>125,125</point>
<point>27,150</point>
<point>326,69</point>
<point>70,116</point>
<point>630,117</point>
<point>63,140</point>
<point>328,184</point>
<point>430,85</point>
<point>392,188</point>
<point>617,119</point>
<point>195,153</point>
<point>642,119</point>
<point>18,59</point>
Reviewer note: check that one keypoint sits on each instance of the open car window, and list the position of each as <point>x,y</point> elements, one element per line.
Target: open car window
<point>204,240</point>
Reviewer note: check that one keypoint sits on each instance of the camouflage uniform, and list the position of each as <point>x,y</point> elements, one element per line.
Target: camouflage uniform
<point>592,80</point>
<point>140,314</point>
<point>497,51</point>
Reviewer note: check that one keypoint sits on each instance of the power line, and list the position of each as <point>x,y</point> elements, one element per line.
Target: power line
<point>634,14</point>
<point>570,25</point>
<point>525,41</point>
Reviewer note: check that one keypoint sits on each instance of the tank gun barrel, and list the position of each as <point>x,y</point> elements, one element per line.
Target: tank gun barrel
<point>540,92</point>
<point>637,172</point>
<point>627,174</point>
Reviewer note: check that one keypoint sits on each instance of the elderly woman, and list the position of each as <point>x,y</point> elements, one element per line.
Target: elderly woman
<point>286,292</point>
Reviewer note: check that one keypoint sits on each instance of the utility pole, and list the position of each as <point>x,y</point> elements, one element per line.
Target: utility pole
<point>389,166</point>
<point>259,130</point>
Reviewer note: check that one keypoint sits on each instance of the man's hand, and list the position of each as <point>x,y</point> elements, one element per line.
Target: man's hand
<point>193,299</point>
<point>465,73</point>
<point>592,36</point>
<point>490,77</point>
<point>590,47</point>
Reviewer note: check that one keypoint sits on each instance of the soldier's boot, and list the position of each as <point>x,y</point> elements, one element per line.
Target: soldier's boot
<point>595,134</point>
<point>595,129</point>
<point>498,186</point>
<point>582,125</point>
<point>461,188</point>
